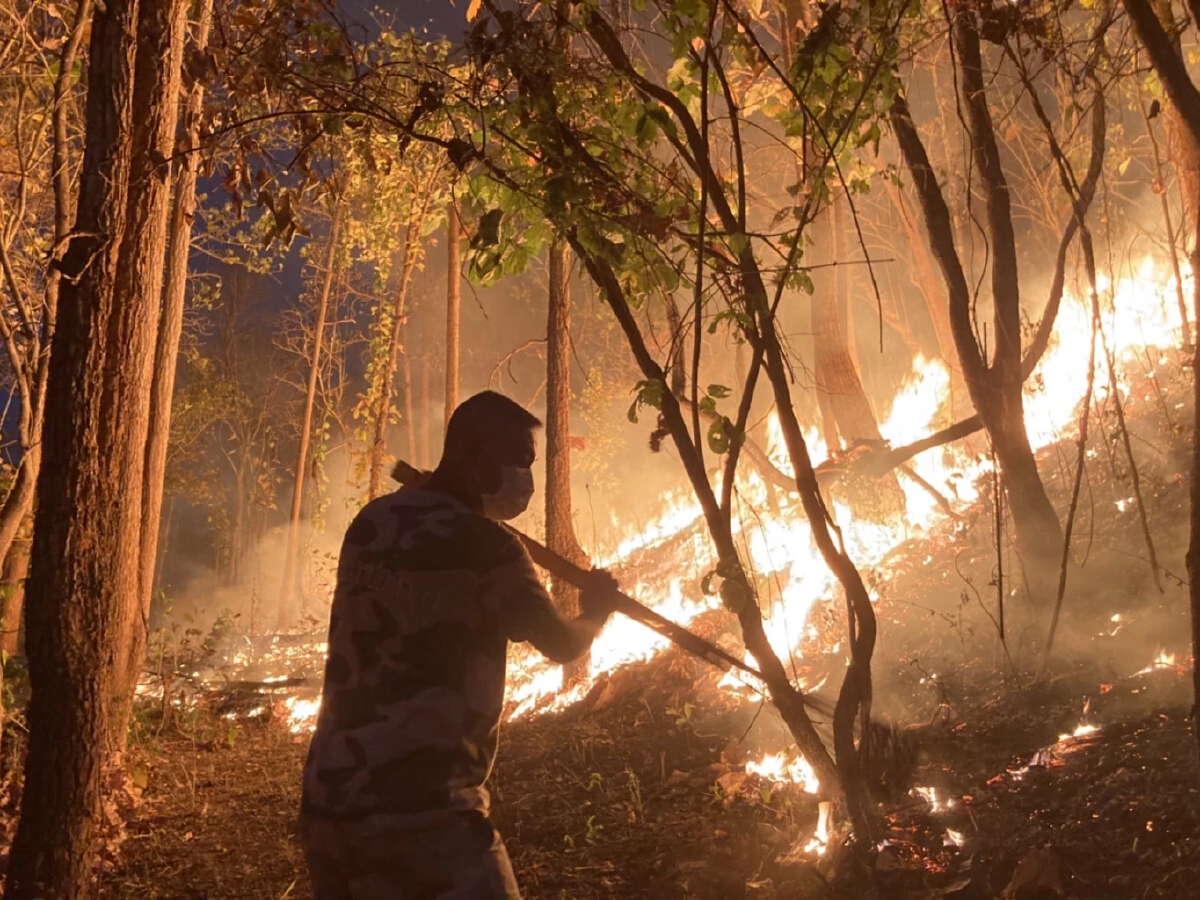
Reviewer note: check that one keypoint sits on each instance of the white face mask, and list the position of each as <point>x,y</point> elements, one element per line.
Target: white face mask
<point>512,499</point>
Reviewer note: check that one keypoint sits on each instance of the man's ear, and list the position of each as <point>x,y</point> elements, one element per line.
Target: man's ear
<point>485,470</point>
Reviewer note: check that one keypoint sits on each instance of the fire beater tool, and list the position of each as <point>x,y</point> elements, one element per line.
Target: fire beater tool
<point>581,578</point>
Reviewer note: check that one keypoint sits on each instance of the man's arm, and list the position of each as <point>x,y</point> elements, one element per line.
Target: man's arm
<point>528,614</point>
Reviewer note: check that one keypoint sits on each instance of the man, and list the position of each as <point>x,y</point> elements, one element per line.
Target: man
<point>430,590</point>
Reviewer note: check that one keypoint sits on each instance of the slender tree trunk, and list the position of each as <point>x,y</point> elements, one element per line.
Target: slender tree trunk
<point>164,545</point>
<point>560,526</point>
<point>924,276</point>
<point>238,529</point>
<point>83,585</point>
<point>425,404</point>
<point>19,502</point>
<point>383,405</point>
<point>995,388</point>
<point>453,307</point>
<point>406,371</point>
<point>287,592</point>
<point>162,391</point>
<point>12,586</point>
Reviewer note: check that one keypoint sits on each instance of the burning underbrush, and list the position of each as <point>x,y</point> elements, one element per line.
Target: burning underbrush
<point>656,775</point>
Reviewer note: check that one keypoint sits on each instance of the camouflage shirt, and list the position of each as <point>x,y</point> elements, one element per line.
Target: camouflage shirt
<point>428,596</point>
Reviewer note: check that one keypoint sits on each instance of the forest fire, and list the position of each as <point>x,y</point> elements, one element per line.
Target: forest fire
<point>1142,315</point>
<point>836,366</point>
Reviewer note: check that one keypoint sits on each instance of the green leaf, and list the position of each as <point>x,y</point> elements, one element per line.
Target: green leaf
<point>719,435</point>
<point>719,391</point>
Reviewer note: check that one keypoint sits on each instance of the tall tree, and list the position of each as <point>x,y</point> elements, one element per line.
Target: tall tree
<point>83,585</point>
<point>166,354</point>
<point>287,591</point>
<point>453,304</point>
<point>995,384</point>
<point>1185,97</point>
<point>27,341</point>
<point>560,526</point>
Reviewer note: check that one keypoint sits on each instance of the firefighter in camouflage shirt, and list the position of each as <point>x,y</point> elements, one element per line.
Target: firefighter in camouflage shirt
<point>430,590</point>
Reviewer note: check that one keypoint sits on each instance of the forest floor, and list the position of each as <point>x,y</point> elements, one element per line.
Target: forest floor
<point>1078,783</point>
<point>640,791</point>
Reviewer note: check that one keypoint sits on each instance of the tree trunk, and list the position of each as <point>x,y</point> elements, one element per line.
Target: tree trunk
<point>410,425</point>
<point>925,278</point>
<point>383,405</point>
<point>166,357</point>
<point>560,526</point>
<point>287,593</point>
<point>83,585</point>
<point>453,307</point>
<point>425,405</point>
<point>1186,98</point>
<point>12,586</point>
<point>1182,148</point>
<point>995,388</point>
<point>19,501</point>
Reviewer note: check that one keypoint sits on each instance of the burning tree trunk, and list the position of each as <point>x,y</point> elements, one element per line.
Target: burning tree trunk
<point>83,587</point>
<point>560,527</point>
<point>287,591</point>
<point>1186,98</point>
<point>995,387</point>
<point>453,306</point>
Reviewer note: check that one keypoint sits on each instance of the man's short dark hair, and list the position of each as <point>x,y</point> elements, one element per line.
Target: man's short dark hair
<point>488,415</point>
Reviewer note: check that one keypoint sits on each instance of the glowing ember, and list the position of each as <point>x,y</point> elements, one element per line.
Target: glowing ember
<point>780,769</point>
<point>1081,731</point>
<point>955,838</point>
<point>930,796</point>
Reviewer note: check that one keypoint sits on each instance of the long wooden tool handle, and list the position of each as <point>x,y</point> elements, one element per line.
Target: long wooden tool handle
<point>582,578</point>
<point>554,564</point>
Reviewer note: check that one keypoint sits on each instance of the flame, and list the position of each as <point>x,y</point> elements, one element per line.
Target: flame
<point>1081,731</point>
<point>783,768</point>
<point>930,796</point>
<point>302,713</point>
<point>819,842</point>
<point>1139,312</point>
<point>1163,660</point>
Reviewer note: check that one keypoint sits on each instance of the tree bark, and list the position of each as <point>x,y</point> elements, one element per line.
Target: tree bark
<point>1182,148</point>
<point>16,568</point>
<point>166,356</point>
<point>560,526</point>
<point>1186,98</point>
<point>996,389</point>
<point>383,405</point>
<point>410,422</point>
<point>288,607</point>
<point>453,307</point>
<point>83,585</point>
<point>19,501</point>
